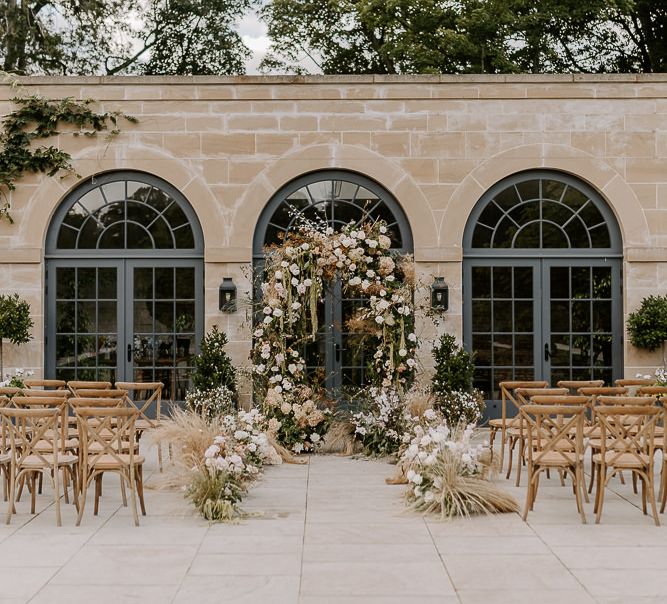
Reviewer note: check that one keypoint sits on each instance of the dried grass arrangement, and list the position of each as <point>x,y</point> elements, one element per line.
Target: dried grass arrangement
<point>449,476</point>
<point>341,440</point>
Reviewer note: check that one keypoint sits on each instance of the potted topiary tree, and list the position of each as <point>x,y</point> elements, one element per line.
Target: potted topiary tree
<point>647,326</point>
<point>15,323</point>
<point>452,383</point>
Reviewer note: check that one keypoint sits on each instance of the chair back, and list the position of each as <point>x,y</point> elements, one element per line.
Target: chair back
<point>626,401</point>
<point>27,427</point>
<point>574,385</point>
<point>633,384</point>
<point>146,397</point>
<point>523,395</point>
<point>555,430</point>
<point>9,391</point>
<point>40,393</point>
<point>627,431</point>
<point>507,389</point>
<point>657,391</point>
<point>75,385</point>
<point>100,393</point>
<point>47,402</point>
<point>104,433</point>
<point>45,384</point>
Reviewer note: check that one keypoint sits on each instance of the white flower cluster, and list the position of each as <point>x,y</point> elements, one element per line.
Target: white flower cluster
<point>381,426</point>
<point>210,403</point>
<point>15,380</point>
<point>660,376</point>
<point>243,447</point>
<point>434,446</point>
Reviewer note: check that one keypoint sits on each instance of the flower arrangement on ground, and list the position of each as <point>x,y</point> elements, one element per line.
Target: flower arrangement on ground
<point>217,459</point>
<point>297,272</point>
<point>446,472</point>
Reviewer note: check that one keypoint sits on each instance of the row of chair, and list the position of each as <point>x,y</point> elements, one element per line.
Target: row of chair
<point>81,431</point>
<point>621,433</point>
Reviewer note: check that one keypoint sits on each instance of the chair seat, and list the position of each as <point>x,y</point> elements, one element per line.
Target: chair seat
<point>624,460</point>
<point>561,445</point>
<point>34,462</point>
<point>109,462</point>
<point>556,459</point>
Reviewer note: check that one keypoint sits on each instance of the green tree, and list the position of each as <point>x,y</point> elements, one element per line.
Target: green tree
<point>454,367</point>
<point>647,326</point>
<point>82,37</point>
<point>213,367</point>
<point>15,323</point>
<point>466,36</point>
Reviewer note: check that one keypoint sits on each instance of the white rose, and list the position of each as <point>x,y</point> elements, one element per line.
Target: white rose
<point>402,352</point>
<point>277,312</point>
<point>379,320</point>
<point>268,320</point>
<point>307,282</point>
<point>314,437</point>
<point>278,275</point>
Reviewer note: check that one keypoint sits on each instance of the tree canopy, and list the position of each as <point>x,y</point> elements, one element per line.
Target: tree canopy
<point>82,37</point>
<point>467,36</point>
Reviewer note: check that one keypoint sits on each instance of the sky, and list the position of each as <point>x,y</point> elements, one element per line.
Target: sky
<point>253,32</point>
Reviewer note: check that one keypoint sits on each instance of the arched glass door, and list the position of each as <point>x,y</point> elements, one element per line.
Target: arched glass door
<point>124,283</point>
<point>542,283</point>
<point>338,358</point>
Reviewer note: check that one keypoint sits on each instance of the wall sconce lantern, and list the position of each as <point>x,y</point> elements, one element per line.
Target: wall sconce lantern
<point>439,294</point>
<point>227,301</point>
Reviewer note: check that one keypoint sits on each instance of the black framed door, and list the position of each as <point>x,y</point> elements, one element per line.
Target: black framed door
<point>131,320</point>
<point>542,318</point>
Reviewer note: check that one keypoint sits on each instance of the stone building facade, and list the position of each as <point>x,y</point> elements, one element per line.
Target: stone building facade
<point>450,152</point>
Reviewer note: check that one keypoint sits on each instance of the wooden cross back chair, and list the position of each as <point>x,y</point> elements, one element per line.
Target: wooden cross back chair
<point>574,385</point>
<point>507,394</point>
<point>633,384</point>
<point>514,434</point>
<point>627,443</point>
<point>660,392</point>
<point>146,397</point>
<point>27,430</point>
<point>103,431</point>
<point>555,441</point>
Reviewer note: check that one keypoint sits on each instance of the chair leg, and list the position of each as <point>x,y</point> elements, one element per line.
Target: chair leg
<point>98,492</point>
<point>122,490</point>
<point>602,481</point>
<point>530,497</point>
<point>56,494</point>
<point>11,496</point>
<point>82,500</point>
<point>133,496</point>
<point>590,484</point>
<point>634,483</point>
<point>519,461</point>
<point>579,487</point>
<point>33,492</point>
<point>510,455</point>
<point>140,488</point>
<point>651,495</point>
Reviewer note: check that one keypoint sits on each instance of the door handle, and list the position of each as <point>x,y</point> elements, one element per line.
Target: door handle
<point>547,352</point>
<point>129,353</point>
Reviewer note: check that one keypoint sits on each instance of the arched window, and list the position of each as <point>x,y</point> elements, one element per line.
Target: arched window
<point>124,282</point>
<point>332,198</point>
<point>542,282</point>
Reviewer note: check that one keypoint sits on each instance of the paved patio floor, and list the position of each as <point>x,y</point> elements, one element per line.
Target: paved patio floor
<point>333,532</point>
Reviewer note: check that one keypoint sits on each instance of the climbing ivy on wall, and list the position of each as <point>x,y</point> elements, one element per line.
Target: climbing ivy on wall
<point>38,118</point>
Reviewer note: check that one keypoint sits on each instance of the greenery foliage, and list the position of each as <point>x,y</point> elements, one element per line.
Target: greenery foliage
<point>647,326</point>
<point>467,36</point>
<point>38,118</point>
<point>15,322</point>
<point>454,367</point>
<point>213,367</point>
<point>71,37</point>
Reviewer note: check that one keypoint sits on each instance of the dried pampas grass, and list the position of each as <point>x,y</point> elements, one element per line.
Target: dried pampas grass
<point>418,400</point>
<point>340,440</point>
<point>188,435</point>
<point>459,494</point>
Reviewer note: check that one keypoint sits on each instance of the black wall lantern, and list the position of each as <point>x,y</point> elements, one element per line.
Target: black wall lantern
<point>227,301</point>
<point>439,294</point>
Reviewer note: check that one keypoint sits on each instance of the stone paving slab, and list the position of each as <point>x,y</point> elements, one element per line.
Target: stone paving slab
<point>333,532</point>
